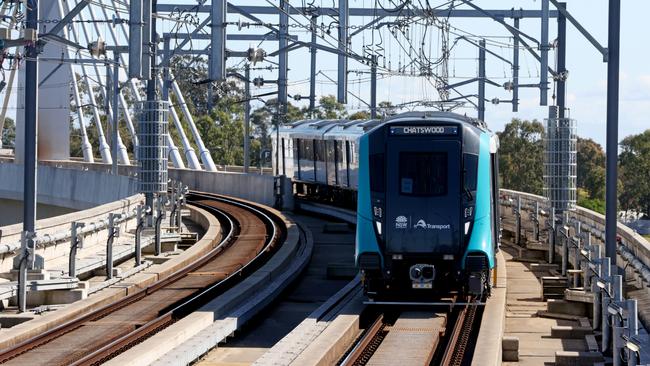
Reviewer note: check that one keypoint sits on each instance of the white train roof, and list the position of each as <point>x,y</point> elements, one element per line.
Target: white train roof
<point>327,128</point>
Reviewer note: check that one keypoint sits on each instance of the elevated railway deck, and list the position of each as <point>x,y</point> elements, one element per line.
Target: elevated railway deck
<point>96,337</point>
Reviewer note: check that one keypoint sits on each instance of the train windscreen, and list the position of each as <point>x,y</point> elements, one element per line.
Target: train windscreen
<point>423,173</point>
<point>423,191</point>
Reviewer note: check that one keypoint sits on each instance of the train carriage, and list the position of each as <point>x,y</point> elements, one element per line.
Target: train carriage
<point>427,214</point>
<point>425,188</point>
<point>323,163</point>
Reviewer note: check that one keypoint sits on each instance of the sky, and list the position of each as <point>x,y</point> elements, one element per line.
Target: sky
<point>586,86</point>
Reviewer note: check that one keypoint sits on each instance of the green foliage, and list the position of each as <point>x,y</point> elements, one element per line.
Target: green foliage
<point>386,109</point>
<point>9,133</point>
<point>262,121</point>
<point>634,161</point>
<point>93,137</point>
<point>591,168</point>
<point>521,156</point>
<point>360,115</point>
<point>329,108</point>
<point>594,204</point>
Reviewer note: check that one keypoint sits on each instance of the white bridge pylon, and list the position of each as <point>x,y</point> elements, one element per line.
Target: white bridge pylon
<point>66,72</point>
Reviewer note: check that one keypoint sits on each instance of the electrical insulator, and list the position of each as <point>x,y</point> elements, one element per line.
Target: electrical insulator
<point>97,48</point>
<point>508,85</point>
<point>258,81</point>
<point>256,55</point>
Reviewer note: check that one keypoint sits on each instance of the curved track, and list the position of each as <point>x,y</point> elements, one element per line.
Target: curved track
<point>249,235</point>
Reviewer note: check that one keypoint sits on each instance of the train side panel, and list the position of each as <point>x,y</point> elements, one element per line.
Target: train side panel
<point>481,238</point>
<point>366,248</point>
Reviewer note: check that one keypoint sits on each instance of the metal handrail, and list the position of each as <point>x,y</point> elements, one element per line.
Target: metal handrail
<point>47,239</point>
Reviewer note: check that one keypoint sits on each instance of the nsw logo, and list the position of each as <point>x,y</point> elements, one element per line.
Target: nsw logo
<point>401,222</point>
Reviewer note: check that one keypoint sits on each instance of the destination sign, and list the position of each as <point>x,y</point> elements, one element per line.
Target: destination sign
<point>424,130</point>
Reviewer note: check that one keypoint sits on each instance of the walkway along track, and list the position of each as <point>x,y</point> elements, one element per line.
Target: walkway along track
<point>417,338</point>
<point>249,237</point>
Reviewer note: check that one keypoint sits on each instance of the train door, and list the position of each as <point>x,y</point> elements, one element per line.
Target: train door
<point>306,160</point>
<point>342,164</point>
<point>284,159</point>
<point>320,161</point>
<point>423,196</point>
<point>330,155</point>
<point>496,224</point>
<point>295,144</point>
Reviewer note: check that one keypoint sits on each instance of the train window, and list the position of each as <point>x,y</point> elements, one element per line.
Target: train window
<point>471,171</point>
<point>331,145</point>
<point>423,174</point>
<point>319,147</point>
<point>377,173</point>
<point>306,149</point>
<point>339,151</point>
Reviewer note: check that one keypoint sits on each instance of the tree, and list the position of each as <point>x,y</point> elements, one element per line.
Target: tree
<point>360,115</point>
<point>386,109</point>
<point>634,161</point>
<point>521,156</point>
<point>263,120</point>
<point>330,108</point>
<point>9,133</point>
<point>591,168</point>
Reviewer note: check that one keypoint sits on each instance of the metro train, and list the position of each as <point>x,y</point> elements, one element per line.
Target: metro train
<point>426,191</point>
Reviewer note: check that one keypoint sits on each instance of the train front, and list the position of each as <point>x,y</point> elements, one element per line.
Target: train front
<point>417,199</point>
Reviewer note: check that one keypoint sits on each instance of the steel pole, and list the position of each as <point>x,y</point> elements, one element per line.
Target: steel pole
<point>561,63</point>
<point>147,35</point>
<point>116,110</point>
<point>217,66</point>
<point>312,73</point>
<point>543,47</point>
<point>342,90</point>
<point>247,117</point>
<point>515,71</point>
<point>151,83</point>
<point>373,88</point>
<point>30,164</point>
<point>282,77</point>
<point>283,57</point>
<point>612,127</point>
<point>135,39</point>
<point>481,80</point>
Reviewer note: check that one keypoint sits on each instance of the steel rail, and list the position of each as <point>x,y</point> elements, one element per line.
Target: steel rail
<point>367,345</point>
<point>173,311</point>
<point>459,339</point>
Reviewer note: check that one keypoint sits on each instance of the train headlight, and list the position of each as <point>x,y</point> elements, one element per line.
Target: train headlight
<point>416,273</point>
<point>427,272</point>
<point>378,224</point>
<point>467,227</point>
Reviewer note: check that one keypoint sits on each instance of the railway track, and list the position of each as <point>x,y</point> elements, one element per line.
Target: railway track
<point>249,236</point>
<point>417,338</point>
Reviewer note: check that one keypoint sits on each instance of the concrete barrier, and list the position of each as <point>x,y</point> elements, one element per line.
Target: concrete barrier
<point>254,187</point>
<point>72,188</point>
<point>596,224</point>
<point>488,347</point>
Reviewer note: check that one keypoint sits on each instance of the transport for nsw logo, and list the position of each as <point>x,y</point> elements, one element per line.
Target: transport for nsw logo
<point>401,222</point>
<point>421,223</point>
